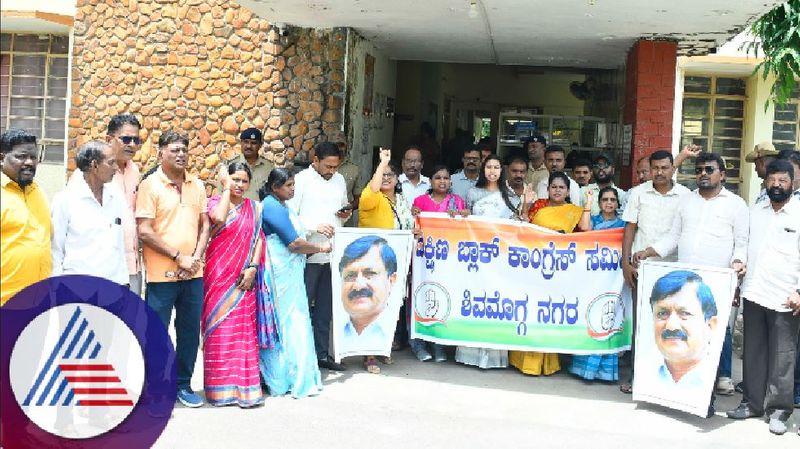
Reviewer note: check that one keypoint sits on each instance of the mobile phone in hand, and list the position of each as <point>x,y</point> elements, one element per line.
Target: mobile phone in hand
<point>346,208</point>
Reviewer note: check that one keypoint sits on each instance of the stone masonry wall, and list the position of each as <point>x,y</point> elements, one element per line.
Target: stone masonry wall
<point>207,69</point>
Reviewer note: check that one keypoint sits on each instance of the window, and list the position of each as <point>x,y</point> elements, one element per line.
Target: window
<point>713,117</point>
<point>786,124</point>
<point>33,88</point>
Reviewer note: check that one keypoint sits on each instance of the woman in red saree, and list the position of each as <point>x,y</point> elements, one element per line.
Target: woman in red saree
<point>237,315</point>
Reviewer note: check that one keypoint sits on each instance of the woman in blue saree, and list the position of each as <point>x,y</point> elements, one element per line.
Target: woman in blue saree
<point>290,366</point>
<point>601,366</point>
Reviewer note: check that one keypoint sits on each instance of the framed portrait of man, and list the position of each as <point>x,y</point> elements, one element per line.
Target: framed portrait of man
<point>369,273</point>
<point>682,313</point>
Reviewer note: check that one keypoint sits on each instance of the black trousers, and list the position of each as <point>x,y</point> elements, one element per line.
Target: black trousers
<point>770,351</point>
<point>320,305</point>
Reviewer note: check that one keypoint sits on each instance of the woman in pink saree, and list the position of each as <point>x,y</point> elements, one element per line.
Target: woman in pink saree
<point>238,317</point>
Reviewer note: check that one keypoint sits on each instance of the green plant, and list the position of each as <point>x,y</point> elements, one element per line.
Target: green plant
<point>779,35</point>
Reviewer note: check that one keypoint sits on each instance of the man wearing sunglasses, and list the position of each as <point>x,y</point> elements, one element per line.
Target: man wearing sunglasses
<point>711,228</point>
<point>603,172</point>
<point>123,137</point>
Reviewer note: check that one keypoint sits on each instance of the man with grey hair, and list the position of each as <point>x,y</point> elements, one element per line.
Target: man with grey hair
<point>87,219</point>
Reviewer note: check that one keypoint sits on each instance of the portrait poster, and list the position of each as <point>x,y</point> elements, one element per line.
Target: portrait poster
<point>369,272</point>
<point>681,318</point>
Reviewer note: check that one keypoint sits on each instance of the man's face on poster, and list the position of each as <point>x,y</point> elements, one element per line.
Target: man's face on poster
<point>682,332</point>
<point>366,286</point>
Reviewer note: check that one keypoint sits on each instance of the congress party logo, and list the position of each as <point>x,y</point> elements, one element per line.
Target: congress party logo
<point>431,304</point>
<point>84,361</point>
<point>605,316</point>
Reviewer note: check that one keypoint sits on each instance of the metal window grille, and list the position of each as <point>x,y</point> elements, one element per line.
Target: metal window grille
<point>33,89</point>
<point>713,117</point>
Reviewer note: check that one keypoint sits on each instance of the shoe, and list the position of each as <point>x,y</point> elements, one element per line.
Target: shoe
<point>439,354</point>
<point>418,348</point>
<point>725,386</point>
<point>189,398</point>
<point>743,411</point>
<point>328,363</point>
<point>777,426</point>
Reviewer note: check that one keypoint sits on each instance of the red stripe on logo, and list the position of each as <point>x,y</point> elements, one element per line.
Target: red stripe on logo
<point>69,367</point>
<point>104,402</point>
<point>100,391</point>
<point>92,379</point>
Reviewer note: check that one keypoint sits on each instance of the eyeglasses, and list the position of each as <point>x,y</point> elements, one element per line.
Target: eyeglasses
<point>608,200</point>
<point>705,169</point>
<point>389,175</point>
<point>601,166</point>
<point>127,140</point>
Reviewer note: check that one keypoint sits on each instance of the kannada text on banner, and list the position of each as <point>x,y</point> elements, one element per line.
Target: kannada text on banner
<point>508,285</point>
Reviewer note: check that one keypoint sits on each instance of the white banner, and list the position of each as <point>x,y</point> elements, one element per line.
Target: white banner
<point>681,318</point>
<point>369,268</point>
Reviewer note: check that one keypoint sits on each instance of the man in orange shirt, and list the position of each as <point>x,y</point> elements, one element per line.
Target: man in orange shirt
<point>173,226</point>
<point>24,216</point>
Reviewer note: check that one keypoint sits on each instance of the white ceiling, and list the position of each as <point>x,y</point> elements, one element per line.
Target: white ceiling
<point>567,33</point>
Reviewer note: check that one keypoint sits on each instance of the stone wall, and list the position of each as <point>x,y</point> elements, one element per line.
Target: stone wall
<point>208,69</point>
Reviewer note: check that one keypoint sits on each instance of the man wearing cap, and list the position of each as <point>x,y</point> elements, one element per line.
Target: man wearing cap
<point>537,171</point>
<point>251,141</point>
<point>603,171</point>
<point>762,155</point>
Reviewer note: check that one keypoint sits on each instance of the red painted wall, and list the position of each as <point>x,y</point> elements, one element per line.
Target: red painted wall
<point>649,100</point>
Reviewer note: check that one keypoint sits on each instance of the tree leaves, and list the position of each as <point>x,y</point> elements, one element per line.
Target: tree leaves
<point>779,33</point>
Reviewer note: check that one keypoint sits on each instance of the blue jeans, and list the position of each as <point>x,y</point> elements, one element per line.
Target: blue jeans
<point>726,357</point>
<point>187,299</point>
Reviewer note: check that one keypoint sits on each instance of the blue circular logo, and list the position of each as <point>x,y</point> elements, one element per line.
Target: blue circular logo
<point>84,362</point>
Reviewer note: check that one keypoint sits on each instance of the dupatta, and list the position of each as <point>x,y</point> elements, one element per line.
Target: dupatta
<point>230,250</point>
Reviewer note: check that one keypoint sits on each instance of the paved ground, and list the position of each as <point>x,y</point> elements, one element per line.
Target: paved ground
<point>447,405</point>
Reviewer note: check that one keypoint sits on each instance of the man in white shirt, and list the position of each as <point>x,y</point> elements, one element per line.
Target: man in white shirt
<point>603,172</point>
<point>710,228</point>
<point>412,181</point>
<point>555,160</point>
<point>319,198</point>
<point>87,219</point>
<point>465,179</point>
<point>771,294</point>
<point>648,215</point>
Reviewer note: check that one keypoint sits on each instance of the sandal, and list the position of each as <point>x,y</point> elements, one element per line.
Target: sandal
<point>386,360</point>
<point>371,365</point>
<point>626,387</point>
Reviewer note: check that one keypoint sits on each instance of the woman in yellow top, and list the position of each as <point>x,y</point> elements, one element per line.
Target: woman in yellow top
<point>382,206</point>
<point>559,214</point>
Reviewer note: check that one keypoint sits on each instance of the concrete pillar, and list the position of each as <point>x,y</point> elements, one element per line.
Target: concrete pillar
<point>649,100</point>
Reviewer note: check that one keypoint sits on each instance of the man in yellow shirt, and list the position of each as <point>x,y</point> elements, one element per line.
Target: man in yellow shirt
<point>25,218</point>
